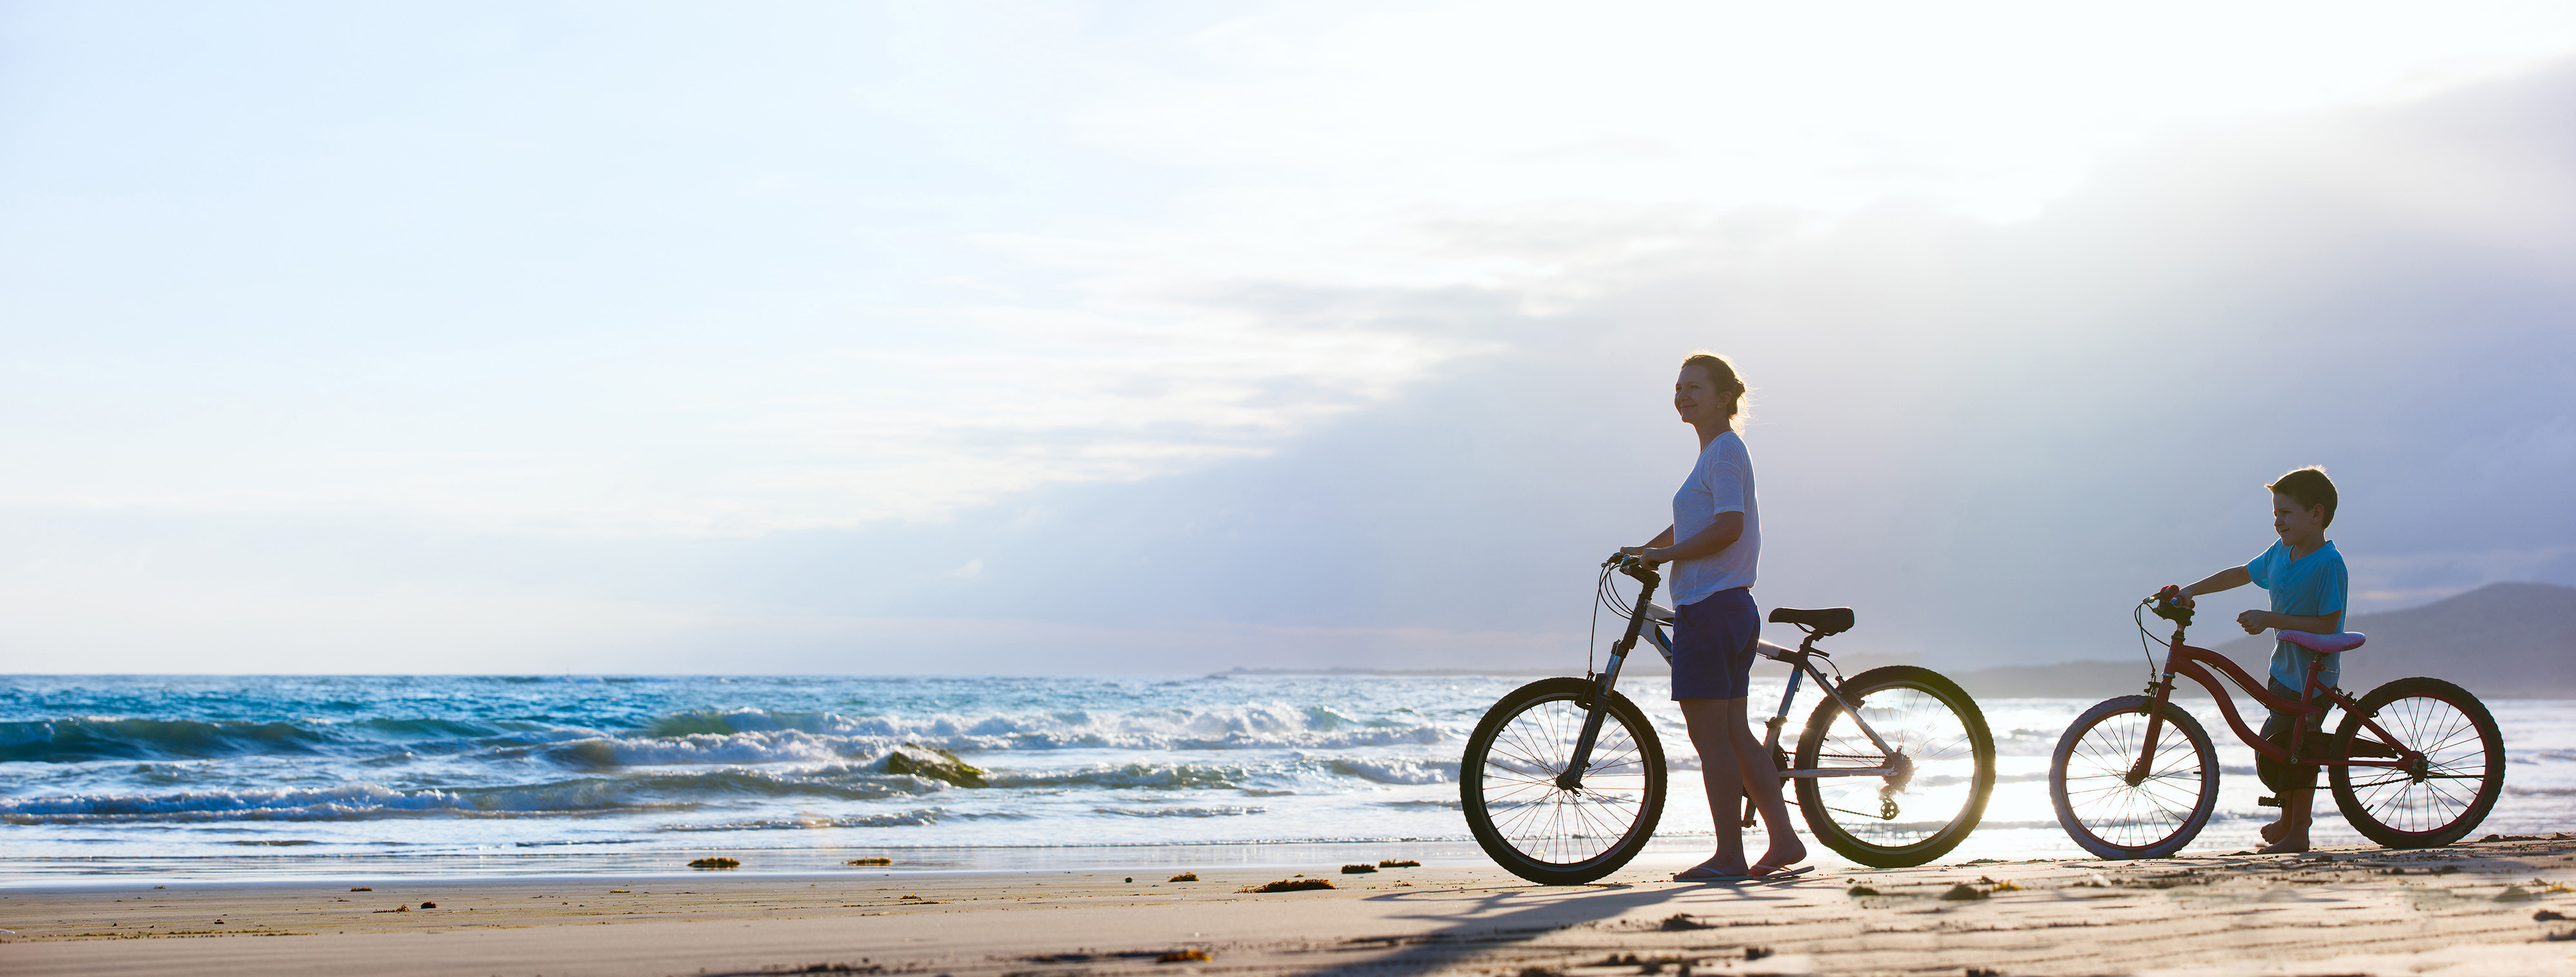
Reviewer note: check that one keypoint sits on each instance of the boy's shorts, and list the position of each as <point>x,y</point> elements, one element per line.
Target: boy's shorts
<point>2281,775</point>
<point>1713,645</point>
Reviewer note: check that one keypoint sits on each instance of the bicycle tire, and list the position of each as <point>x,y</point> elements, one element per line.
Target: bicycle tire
<point>1935,724</point>
<point>1530,826</point>
<point>2411,709</point>
<point>2104,743</point>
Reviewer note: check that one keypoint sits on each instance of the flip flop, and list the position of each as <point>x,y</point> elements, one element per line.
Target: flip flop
<point>1686,876</point>
<point>1781,873</point>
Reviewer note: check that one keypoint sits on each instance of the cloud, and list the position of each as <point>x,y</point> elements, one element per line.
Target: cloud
<point>1274,343</point>
<point>1988,438</point>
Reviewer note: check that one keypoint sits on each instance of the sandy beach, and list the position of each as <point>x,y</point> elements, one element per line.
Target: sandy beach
<point>2488,907</point>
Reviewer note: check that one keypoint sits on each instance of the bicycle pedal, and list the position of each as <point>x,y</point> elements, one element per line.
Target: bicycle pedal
<point>2268,801</point>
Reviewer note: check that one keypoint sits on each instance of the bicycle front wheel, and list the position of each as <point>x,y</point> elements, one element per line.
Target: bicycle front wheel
<point>1943,760</point>
<point>2117,808</point>
<point>2438,800</point>
<point>1538,830</point>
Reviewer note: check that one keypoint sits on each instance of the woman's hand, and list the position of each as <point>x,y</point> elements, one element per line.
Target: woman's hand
<point>1646,552</point>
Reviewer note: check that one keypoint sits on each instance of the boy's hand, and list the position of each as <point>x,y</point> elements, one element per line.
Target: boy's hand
<point>2173,592</point>
<point>2252,621</point>
<point>1641,551</point>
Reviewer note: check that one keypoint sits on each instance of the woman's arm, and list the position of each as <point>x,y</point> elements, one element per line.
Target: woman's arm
<point>1719,535</point>
<point>1664,538</point>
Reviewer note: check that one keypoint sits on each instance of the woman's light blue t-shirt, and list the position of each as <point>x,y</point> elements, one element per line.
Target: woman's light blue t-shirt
<point>1721,482</point>
<point>2310,586</point>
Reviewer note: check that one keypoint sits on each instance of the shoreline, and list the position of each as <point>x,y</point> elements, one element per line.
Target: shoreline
<point>2346,910</point>
<point>803,862</point>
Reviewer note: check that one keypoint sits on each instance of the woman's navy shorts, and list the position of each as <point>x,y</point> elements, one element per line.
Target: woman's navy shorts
<point>1713,645</point>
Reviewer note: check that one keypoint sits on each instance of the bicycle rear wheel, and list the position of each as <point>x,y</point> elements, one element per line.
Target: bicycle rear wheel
<point>2438,801</point>
<point>1946,768</point>
<point>2114,815</point>
<point>1532,827</point>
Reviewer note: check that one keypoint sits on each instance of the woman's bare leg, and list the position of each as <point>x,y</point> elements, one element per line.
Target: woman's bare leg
<point>1721,769</point>
<point>1762,783</point>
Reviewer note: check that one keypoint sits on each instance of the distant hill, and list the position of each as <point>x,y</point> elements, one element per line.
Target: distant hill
<point>2503,641</point>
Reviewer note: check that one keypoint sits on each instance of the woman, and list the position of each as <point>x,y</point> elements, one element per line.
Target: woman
<point>1715,622</point>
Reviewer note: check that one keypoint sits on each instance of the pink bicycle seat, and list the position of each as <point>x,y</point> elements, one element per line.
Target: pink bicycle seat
<point>2324,643</point>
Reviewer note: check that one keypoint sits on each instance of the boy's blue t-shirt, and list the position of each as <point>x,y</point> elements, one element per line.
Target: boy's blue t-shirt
<point>2311,586</point>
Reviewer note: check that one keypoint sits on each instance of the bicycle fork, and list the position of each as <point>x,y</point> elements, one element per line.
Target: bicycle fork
<point>1571,778</point>
<point>2157,695</point>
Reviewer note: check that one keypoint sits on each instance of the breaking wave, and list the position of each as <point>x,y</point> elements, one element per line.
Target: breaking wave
<point>1231,727</point>
<point>366,801</point>
<point>732,736</point>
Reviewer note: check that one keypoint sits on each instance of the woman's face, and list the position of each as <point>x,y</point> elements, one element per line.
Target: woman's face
<point>1698,400</point>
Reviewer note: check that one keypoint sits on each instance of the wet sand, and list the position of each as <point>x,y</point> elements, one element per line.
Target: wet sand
<point>2468,909</point>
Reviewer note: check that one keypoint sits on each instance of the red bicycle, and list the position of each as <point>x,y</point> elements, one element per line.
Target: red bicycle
<point>2416,763</point>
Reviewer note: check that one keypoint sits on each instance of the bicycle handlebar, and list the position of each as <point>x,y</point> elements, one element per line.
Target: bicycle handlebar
<point>2170,608</point>
<point>1634,566</point>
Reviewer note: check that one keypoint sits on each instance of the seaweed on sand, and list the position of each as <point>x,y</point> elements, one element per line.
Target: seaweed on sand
<point>1291,885</point>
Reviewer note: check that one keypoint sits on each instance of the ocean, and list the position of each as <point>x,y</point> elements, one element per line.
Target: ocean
<point>228,776</point>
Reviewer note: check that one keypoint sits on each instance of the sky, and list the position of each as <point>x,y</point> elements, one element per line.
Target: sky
<point>1174,337</point>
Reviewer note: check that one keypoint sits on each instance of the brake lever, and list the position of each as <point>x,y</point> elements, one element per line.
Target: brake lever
<point>2171,610</point>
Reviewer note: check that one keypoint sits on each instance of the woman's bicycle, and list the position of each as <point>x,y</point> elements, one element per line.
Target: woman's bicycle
<point>1563,780</point>
<point>2416,763</point>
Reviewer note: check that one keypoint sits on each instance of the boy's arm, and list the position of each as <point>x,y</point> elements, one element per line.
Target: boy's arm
<point>2255,621</point>
<point>2227,579</point>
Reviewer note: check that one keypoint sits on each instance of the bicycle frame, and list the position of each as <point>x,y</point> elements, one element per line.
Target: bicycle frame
<point>2197,664</point>
<point>1801,664</point>
<point>1800,660</point>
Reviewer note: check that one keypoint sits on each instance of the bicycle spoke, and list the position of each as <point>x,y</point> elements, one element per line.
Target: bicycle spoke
<point>1527,808</point>
<point>1933,738</point>
<point>2433,802</point>
<point>2095,784</point>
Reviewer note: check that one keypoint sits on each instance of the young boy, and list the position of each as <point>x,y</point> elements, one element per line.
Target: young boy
<point>2306,578</point>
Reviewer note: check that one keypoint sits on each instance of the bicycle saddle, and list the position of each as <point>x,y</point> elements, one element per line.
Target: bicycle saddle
<point>2325,643</point>
<point>1826,620</point>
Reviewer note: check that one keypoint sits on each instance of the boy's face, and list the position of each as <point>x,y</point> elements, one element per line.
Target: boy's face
<point>2298,527</point>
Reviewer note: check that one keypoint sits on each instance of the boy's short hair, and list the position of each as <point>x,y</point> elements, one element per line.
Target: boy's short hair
<point>2309,487</point>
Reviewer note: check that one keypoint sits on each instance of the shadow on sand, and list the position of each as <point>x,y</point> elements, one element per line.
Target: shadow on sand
<point>1502,917</point>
